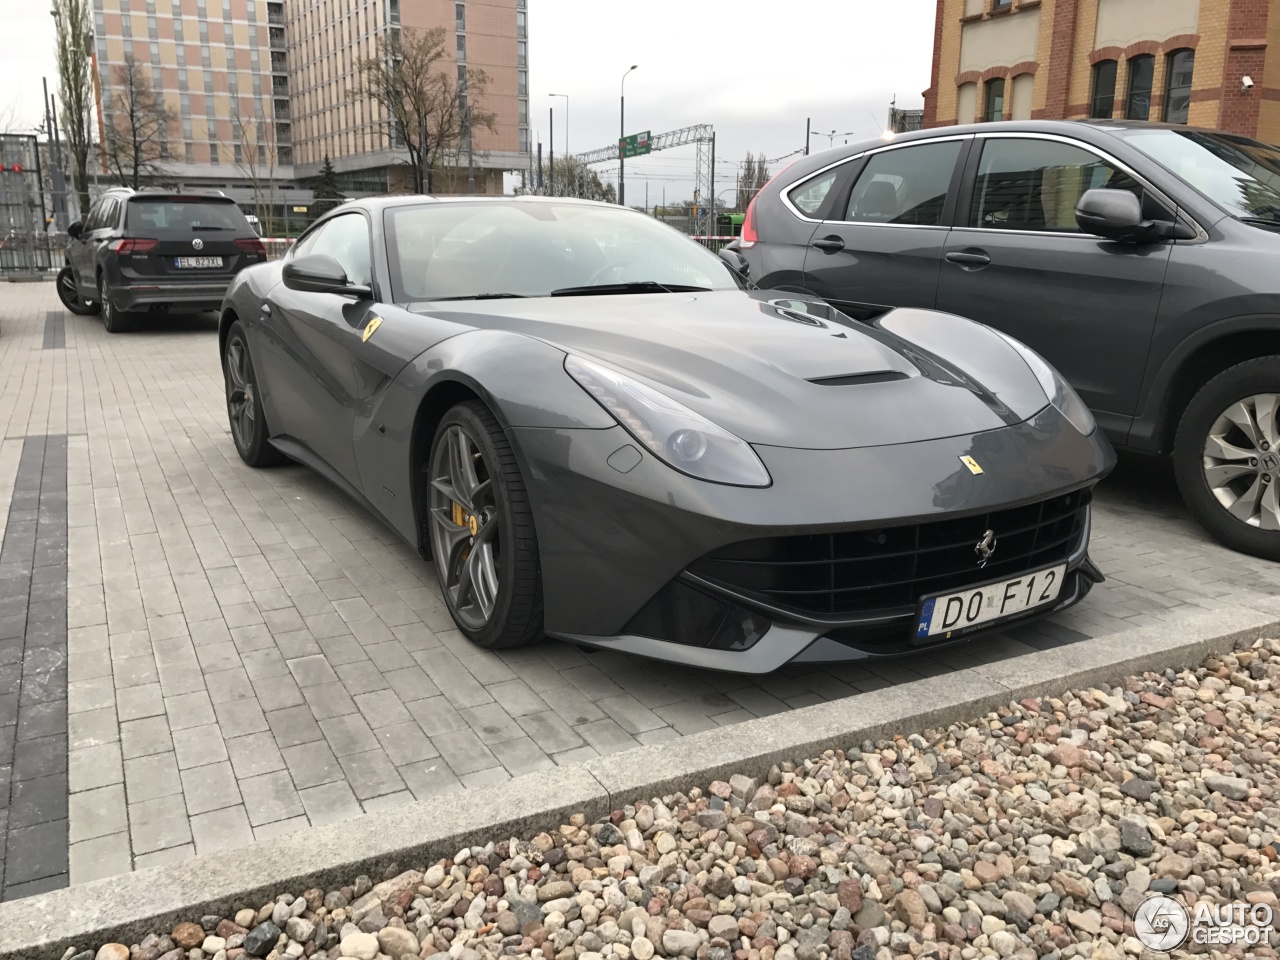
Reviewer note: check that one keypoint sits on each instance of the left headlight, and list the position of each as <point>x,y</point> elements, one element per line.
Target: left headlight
<point>672,432</point>
<point>1060,393</point>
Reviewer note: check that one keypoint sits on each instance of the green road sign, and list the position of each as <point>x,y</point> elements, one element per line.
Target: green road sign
<point>636,145</point>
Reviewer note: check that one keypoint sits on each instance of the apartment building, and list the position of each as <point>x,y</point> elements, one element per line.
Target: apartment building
<point>1200,62</point>
<point>263,90</point>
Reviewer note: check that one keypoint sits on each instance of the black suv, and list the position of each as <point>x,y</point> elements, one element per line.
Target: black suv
<point>142,251</point>
<point>1141,260</point>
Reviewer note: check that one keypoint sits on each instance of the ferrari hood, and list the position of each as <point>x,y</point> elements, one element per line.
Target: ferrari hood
<point>782,370</point>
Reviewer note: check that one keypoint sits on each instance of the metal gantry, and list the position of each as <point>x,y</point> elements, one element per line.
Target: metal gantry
<point>702,136</point>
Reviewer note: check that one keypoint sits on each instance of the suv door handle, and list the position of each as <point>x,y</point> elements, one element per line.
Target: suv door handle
<point>829,244</point>
<point>969,259</point>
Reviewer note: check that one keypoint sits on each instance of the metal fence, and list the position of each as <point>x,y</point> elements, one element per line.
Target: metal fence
<point>25,246</point>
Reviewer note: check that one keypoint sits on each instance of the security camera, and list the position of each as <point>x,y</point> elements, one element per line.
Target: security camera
<point>1246,83</point>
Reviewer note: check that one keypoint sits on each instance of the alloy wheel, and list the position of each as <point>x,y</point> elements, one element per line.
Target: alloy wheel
<point>108,311</point>
<point>465,527</point>
<point>1242,460</point>
<point>241,402</point>
<point>68,291</point>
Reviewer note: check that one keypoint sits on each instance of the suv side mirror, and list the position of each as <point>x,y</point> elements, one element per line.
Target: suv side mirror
<point>319,273</point>
<point>75,229</point>
<point>1117,215</point>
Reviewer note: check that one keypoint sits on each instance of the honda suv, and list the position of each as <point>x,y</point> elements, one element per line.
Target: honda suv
<point>1141,260</point>
<point>142,251</point>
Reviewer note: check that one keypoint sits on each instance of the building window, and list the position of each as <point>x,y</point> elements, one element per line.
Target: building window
<point>522,82</point>
<point>522,53</point>
<point>213,152</point>
<point>521,23</point>
<point>180,52</point>
<point>1177,100</point>
<point>126,26</point>
<point>460,13</point>
<point>1103,104</point>
<point>205,60</point>
<point>204,31</point>
<point>524,139</point>
<point>998,5</point>
<point>177,29</point>
<point>1142,73</point>
<point>462,48</point>
<point>237,152</point>
<point>993,104</point>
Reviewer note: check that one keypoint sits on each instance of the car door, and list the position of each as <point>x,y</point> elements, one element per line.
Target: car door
<point>1017,261</point>
<point>308,344</point>
<point>96,239</point>
<point>882,244</point>
<point>78,250</point>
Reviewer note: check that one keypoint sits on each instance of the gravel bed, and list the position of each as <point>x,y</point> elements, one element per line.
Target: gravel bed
<point>1033,832</point>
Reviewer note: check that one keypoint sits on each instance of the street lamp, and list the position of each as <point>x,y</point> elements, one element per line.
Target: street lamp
<point>565,96</point>
<point>622,132</point>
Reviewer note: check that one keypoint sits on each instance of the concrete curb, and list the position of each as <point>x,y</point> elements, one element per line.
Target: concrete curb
<point>127,907</point>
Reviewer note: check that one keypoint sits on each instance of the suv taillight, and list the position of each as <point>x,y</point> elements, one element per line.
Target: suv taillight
<point>133,245</point>
<point>252,245</point>
<point>749,235</point>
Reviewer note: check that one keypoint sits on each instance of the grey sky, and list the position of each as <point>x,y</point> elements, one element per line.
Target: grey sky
<point>755,69</point>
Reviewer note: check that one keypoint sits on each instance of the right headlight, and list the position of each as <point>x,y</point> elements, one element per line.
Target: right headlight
<point>1060,393</point>
<point>672,432</point>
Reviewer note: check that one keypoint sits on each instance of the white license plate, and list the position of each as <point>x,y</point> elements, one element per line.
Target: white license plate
<point>954,613</point>
<point>185,262</point>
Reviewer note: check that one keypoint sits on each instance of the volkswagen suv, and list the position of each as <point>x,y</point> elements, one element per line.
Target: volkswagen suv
<point>140,252</point>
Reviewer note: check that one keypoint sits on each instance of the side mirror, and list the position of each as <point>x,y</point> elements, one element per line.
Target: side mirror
<point>1117,215</point>
<point>75,229</point>
<point>319,273</point>
<point>736,261</point>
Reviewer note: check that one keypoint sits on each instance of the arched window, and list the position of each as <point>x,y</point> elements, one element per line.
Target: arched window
<point>1177,100</point>
<point>1142,74</point>
<point>993,106</point>
<point>1103,103</point>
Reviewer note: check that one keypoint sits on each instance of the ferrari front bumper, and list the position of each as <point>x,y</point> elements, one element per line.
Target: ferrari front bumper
<point>619,530</point>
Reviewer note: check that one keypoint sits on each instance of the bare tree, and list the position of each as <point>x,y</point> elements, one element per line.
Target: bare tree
<point>257,161</point>
<point>755,174</point>
<point>137,137</point>
<point>76,98</point>
<point>415,82</point>
<point>9,121</point>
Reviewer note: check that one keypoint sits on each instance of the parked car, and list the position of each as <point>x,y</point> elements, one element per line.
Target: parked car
<point>1139,259</point>
<point>147,251</point>
<point>600,434</point>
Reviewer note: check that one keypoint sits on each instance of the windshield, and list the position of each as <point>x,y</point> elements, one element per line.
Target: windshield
<point>532,249</point>
<point>1239,174</point>
<point>156,214</point>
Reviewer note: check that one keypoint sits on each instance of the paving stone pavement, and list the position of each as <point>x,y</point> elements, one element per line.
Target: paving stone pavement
<point>250,653</point>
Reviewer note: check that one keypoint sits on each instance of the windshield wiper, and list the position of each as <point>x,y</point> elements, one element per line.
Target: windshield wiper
<point>202,226</point>
<point>1267,222</point>
<point>636,286</point>
<point>481,296</point>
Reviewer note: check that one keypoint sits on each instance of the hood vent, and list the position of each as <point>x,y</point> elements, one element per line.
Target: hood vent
<point>857,379</point>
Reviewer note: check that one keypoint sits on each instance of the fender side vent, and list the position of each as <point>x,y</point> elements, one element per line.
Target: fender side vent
<point>855,379</point>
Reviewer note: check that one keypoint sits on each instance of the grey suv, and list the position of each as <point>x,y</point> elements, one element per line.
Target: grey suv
<point>143,251</point>
<point>1141,260</point>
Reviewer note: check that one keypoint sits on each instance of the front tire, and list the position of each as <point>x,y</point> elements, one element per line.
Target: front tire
<point>244,403</point>
<point>483,541</point>
<point>113,320</point>
<point>1227,457</point>
<point>69,294</point>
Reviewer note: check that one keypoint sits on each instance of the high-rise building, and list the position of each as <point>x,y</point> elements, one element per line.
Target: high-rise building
<point>1201,62</point>
<point>261,91</point>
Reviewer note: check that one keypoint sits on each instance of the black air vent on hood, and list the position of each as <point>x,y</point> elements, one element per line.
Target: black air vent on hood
<point>856,379</point>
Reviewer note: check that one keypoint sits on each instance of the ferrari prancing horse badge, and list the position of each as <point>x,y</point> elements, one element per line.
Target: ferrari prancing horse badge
<point>371,326</point>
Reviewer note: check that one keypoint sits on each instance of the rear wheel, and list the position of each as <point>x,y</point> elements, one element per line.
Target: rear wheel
<point>113,320</point>
<point>69,294</point>
<point>483,541</point>
<point>244,403</point>
<point>1227,457</point>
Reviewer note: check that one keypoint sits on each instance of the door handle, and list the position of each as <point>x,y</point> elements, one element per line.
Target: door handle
<point>829,244</point>
<point>969,259</point>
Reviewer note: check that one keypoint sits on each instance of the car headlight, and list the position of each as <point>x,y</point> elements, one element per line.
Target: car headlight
<point>669,430</point>
<point>1060,393</point>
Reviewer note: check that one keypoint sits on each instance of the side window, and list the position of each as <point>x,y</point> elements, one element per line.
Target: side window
<point>810,195</point>
<point>346,239</point>
<point>908,185</point>
<point>1036,184</point>
<point>95,215</point>
<point>110,214</point>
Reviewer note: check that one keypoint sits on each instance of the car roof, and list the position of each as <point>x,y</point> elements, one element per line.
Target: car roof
<point>373,205</point>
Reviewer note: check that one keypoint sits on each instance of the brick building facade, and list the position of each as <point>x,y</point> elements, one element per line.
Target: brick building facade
<point>1183,61</point>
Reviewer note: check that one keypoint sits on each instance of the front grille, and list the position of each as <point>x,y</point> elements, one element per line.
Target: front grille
<point>883,571</point>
